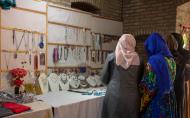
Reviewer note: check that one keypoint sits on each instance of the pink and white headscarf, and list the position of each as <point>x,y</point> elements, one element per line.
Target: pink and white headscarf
<point>125,52</point>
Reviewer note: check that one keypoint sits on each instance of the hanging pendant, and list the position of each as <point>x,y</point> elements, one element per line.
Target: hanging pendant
<point>42,59</point>
<point>30,58</point>
<point>15,55</point>
<point>66,52</point>
<point>41,44</point>
<point>36,62</point>
<point>55,55</point>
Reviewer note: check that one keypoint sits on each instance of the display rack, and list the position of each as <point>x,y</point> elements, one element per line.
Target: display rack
<point>65,44</point>
<point>21,30</point>
<point>26,70</point>
<point>68,45</point>
<point>0,48</point>
<point>101,50</point>
<point>30,10</point>
<point>68,25</point>
<point>19,51</point>
<point>46,57</point>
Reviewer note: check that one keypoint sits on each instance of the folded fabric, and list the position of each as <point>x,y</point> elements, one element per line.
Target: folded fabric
<point>14,107</point>
<point>7,4</point>
<point>5,112</point>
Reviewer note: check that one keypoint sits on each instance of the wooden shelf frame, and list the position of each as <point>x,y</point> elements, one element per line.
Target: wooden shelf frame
<point>65,67</point>
<point>67,25</point>
<point>30,10</point>
<point>68,45</point>
<point>107,35</point>
<point>21,30</point>
<point>101,50</point>
<point>5,70</point>
<point>0,48</point>
<point>74,67</point>
<point>20,51</point>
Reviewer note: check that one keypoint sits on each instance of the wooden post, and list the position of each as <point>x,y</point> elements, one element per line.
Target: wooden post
<point>0,50</point>
<point>46,66</point>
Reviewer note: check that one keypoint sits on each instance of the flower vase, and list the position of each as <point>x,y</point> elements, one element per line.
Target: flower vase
<point>17,90</point>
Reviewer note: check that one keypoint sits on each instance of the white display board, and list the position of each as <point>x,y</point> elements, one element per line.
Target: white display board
<point>32,5</point>
<point>105,26</point>
<point>59,32</point>
<point>23,20</point>
<point>69,17</point>
<point>29,15</point>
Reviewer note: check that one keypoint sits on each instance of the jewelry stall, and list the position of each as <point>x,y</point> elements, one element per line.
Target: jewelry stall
<point>52,56</point>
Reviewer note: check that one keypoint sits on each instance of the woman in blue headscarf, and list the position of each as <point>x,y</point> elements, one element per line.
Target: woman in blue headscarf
<point>157,89</point>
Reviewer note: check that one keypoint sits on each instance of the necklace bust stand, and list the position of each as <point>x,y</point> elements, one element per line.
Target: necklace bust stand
<point>53,81</point>
<point>64,82</point>
<point>74,82</point>
<point>97,79</point>
<point>83,83</point>
<point>91,81</point>
<point>43,83</point>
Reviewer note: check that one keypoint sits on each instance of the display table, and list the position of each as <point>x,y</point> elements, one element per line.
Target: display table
<point>73,105</point>
<point>38,110</point>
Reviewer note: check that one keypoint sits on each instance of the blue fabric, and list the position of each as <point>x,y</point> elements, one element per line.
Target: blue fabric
<point>157,51</point>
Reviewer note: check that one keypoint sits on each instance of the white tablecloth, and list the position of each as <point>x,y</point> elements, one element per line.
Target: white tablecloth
<point>73,105</point>
<point>38,110</point>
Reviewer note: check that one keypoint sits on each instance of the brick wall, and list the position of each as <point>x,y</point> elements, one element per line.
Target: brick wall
<point>141,17</point>
<point>108,8</point>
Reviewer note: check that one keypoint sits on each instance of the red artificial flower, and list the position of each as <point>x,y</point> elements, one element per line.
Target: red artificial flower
<point>18,82</point>
<point>18,72</point>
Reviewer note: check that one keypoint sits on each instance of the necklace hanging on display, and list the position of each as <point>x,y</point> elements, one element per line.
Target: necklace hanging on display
<point>55,55</point>
<point>34,43</point>
<point>102,57</point>
<point>64,83</point>
<point>77,34</point>
<point>60,52</point>
<point>29,50</point>
<point>83,55</point>
<point>66,34</point>
<point>84,36</point>
<point>36,62</point>
<point>53,81</point>
<point>66,53</point>
<point>87,54</point>
<point>42,59</point>
<point>16,42</point>
<point>43,83</point>
<point>7,60</point>
<point>41,44</point>
<point>93,54</point>
<point>26,43</point>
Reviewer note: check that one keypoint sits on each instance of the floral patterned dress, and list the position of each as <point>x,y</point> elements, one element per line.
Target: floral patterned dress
<point>156,103</point>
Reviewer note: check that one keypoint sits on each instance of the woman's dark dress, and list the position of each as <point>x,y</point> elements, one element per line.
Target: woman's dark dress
<point>122,98</point>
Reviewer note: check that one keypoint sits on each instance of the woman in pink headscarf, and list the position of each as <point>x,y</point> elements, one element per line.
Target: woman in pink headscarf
<point>121,73</point>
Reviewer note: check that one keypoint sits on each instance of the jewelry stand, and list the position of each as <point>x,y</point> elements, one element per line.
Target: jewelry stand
<point>91,81</point>
<point>74,82</point>
<point>53,81</point>
<point>97,79</point>
<point>43,83</point>
<point>64,82</point>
